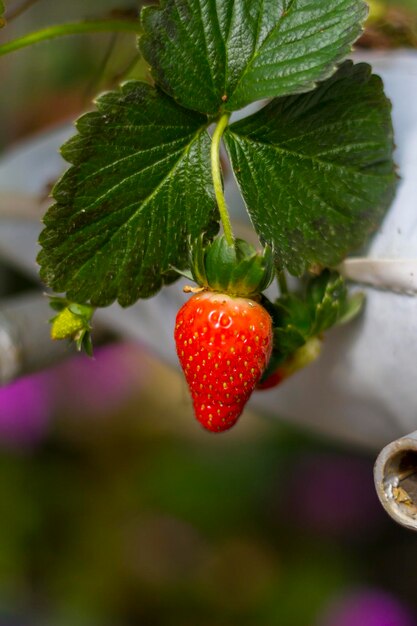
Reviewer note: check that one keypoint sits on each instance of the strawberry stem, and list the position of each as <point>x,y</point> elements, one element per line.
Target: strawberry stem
<point>282,283</point>
<point>217,177</point>
<point>71,28</point>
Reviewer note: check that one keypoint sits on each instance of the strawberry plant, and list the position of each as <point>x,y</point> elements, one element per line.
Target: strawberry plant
<point>143,201</point>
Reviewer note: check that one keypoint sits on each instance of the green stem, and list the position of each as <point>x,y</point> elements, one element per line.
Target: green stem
<point>217,177</point>
<point>282,282</point>
<point>72,28</point>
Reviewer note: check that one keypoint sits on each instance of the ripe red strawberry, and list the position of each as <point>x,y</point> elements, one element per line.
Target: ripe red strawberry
<point>223,344</point>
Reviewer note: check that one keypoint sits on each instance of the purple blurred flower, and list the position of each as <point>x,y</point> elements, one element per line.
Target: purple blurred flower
<point>368,608</point>
<point>334,494</point>
<point>25,409</point>
<point>100,385</point>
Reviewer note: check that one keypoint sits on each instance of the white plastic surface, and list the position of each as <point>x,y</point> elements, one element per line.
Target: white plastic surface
<point>364,387</point>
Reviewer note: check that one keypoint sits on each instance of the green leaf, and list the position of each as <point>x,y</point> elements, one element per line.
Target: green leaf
<point>328,285</point>
<point>57,303</point>
<point>326,295</point>
<point>140,186</point>
<point>223,54</point>
<point>85,343</point>
<point>293,311</point>
<point>316,170</point>
<point>287,340</point>
<point>351,308</point>
<point>324,302</point>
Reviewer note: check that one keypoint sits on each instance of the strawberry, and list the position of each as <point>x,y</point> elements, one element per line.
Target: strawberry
<point>72,321</point>
<point>224,339</point>
<point>223,344</point>
<point>272,380</point>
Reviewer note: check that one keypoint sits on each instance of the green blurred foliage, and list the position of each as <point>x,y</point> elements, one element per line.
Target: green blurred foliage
<point>57,80</point>
<point>123,521</point>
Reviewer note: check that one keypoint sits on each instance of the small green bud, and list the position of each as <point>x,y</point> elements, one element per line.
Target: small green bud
<point>72,322</point>
<point>66,325</point>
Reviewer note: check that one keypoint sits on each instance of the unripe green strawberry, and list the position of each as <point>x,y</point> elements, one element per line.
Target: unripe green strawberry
<point>66,325</point>
<point>223,344</point>
<point>72,321</point>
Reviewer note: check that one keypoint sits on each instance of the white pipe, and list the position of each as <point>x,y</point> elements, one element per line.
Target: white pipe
<point>397,275</point>
<point>396,480</point>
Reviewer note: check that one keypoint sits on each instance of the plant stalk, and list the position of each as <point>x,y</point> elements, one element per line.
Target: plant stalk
<point>72,28</point>
<point>282,283</point>
<point>217,177</point>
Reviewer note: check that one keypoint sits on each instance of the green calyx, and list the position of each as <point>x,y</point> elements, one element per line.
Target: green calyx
<point>237,269</point>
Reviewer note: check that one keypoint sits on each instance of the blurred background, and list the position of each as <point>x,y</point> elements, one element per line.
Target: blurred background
<point>116,509</point>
